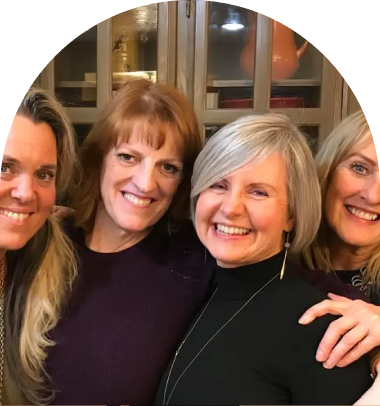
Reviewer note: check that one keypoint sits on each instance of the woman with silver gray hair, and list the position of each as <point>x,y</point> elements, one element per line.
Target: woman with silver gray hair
<point>256,198</point>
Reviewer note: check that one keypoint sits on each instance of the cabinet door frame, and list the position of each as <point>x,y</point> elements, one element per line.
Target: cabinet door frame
<point>166,62</point>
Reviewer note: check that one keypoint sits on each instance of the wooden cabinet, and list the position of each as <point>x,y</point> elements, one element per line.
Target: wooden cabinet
<point>229,61</point>
<point>235,72</point>
<point>136,43</point>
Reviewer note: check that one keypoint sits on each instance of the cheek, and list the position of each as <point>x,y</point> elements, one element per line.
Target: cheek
<point>205,211</point>
<point>5,188</point>
<point>46,199</point>
<point>269,216</point>
<point>169,187</point>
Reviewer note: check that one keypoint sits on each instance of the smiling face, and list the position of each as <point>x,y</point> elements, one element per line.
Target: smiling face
<point>27,184</point>
<point>352,203</point>
<point>241,219</point>
<point>138,182</point>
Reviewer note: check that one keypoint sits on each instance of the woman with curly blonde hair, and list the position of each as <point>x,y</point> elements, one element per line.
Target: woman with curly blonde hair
<point>37,263</point>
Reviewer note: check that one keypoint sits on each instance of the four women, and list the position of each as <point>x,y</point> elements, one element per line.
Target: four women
<point>143,274</point>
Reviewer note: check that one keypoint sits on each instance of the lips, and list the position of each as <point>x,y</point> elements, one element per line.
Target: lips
<point>362,214</point>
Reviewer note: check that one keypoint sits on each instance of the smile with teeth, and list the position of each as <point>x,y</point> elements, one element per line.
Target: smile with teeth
<point>14,216</point>
<point>137,201</point>
<point>224,230</point>
<point>362,214</point>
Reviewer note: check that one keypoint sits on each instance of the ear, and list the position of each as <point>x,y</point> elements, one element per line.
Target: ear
<point>289,225</point>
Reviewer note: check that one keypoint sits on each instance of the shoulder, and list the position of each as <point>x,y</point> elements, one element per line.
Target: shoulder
<point>179,245</point>
<point>330,283</point>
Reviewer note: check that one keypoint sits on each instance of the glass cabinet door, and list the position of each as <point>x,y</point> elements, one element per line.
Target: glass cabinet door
<point>134,45</point>
<point>296,70</point>
<point>228,35</point>
<point>75,69</point>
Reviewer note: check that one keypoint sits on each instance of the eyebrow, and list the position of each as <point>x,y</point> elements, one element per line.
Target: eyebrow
<point>366,158</point>
<point>171,160</point>
<point>253,184</point>
<point>11,160</point>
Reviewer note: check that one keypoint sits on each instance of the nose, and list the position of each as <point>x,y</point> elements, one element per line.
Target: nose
<point>144,178</point>
<point>23,189</point>
<point>371,193</point>
<point>232,205</point>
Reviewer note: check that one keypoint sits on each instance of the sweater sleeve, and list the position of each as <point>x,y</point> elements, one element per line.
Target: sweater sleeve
<point>310,383</point>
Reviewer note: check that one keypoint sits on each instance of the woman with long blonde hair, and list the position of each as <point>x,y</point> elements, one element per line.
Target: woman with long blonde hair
<point>37,263</point>
<point>348,241</point>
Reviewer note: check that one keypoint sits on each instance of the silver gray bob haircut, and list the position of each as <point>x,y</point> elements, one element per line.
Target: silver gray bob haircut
<point>254,138</point>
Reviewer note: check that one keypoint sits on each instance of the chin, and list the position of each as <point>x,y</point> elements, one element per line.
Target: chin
<point>13,244</point>
<point>133,226</point>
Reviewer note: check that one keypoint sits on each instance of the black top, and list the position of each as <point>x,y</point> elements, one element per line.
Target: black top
<point>263,356</point>
<point>127,313</point>
<point>353,278</point>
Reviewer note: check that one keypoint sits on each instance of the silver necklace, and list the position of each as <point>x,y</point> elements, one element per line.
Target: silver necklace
<point>2,277</point>
<point>357,281</point>
<point>207,342</point>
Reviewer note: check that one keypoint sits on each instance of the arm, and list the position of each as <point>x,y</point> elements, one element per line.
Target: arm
<point>307,379</point>
<point>372,396</point>
<point>349,337</point>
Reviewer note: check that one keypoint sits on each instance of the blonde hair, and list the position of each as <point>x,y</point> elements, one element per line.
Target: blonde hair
<point>255,138</point>
<point>159,108</point>
<point>347,135</point>
<point>43,271</point>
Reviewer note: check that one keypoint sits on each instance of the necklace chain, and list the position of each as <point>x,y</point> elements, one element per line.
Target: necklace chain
<point>2,335</point>
<point>207,342</point>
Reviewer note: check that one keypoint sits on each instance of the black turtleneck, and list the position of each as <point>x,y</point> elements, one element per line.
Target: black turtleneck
<point>263,356</point>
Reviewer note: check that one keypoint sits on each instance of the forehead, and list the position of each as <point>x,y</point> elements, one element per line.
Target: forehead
<point>271,169</point>
<point>30,142</point>
<point>162,138</point>
<point>366,148</point>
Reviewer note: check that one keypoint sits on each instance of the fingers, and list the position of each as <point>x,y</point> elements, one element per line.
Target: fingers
<point>333,296</point>
<point>333,334</point>
<point>363,347</point>
<point>323,308</point>
<point>349,347</point>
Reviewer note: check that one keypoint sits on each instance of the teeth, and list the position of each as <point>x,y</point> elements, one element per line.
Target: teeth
<point>220,228</point>
<point>136,201</point>
<point>362,214</point>
<point>15,216</point>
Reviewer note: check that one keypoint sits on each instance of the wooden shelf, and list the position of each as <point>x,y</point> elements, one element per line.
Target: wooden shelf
<point>279,83</point>
<point>76,84</point>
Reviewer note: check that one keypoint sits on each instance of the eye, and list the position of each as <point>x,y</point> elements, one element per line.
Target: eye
<point>5,169</point>
<point>359,168</point>
<point>45,176</point>
<point>218,186</point>
<point>170,168</point>
<point>259,193</point>
<point>126,157</point>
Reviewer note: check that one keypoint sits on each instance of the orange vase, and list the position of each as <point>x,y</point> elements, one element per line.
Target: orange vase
<point>285,55</point>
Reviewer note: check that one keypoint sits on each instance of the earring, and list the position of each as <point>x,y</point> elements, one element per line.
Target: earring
<point>287,245</point>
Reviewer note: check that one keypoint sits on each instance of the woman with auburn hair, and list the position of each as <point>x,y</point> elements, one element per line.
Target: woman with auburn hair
<point>143,274</point>
<point>37,263</point>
